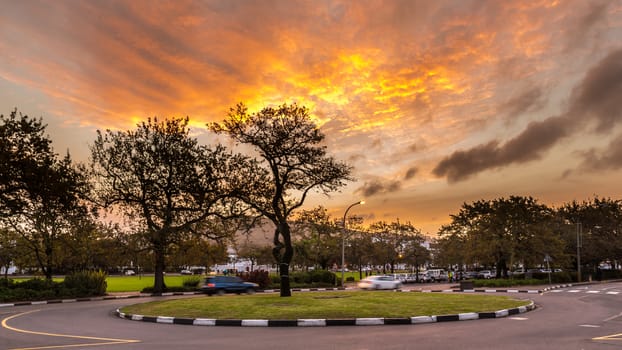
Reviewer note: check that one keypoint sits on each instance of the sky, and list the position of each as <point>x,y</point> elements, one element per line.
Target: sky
<point>433,103</point>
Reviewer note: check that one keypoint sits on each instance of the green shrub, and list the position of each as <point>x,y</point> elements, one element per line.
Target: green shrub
<point>86,283</point>
<point>191,281</point>
<point>303,279</point>
<point>6,283</point>
<point>149,290</point>
<point>608,274</point>
<point>275,280</point>
<point>506,282</point>
<point>325,276</point>
<point>36,284</point>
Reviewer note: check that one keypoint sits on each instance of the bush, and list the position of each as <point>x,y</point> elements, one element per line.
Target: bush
<point>506,282</point>
<point>608,274</point>
<point>317,278</point>
<point>191,282</point>
<point>35,284</point>
<point>149,290</point>
<point>261,277</point>
<point>86,283</point>
<point>323,276</point>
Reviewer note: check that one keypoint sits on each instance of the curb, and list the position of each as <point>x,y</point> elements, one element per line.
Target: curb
<point>108,297</point>
<point>327,322</point>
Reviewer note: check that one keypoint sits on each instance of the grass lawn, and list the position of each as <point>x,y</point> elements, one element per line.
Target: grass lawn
<point>137,283</point>
<point>129,283</point>
<point>324,305</point>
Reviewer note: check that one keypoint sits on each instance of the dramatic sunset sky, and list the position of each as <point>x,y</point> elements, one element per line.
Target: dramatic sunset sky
<point>434,103</point>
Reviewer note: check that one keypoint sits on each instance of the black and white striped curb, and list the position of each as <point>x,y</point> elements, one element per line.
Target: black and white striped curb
<point>327,322</point>
<point>108,297</point>
<point>557,287</point>
<point>147,295</point>
<point>528,291</point>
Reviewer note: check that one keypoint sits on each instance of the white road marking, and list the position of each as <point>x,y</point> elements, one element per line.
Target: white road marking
<point>589,325</point>
<point>612,317</point>
<point>574,291</point>
<point>613,293</point>
<point>593,291</point>
<point>519,318</point>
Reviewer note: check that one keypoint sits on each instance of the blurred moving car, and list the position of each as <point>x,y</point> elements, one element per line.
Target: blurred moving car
<point>379,282</point>
<point>227,284</point>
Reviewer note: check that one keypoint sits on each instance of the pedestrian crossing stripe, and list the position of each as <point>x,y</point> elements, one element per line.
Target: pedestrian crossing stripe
<point>586,291</point>
<point>610,337</point>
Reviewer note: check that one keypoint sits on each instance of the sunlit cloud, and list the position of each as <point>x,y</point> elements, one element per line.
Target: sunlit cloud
<point>456,78</point>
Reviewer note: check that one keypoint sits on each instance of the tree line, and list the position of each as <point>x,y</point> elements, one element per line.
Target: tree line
<point>169,189</point>
<point>183,202</point>
<point>506,233</point>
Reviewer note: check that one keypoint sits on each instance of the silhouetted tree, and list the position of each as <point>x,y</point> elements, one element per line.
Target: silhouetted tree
<point>161,177</point>
<point>293,163</point>
<point>40,194</point>
<point>503,232</point>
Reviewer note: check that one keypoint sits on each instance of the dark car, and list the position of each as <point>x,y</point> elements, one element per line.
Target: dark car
<point>227,284</point>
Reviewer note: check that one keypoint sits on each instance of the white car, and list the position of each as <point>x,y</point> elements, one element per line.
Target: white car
<point>486,274</point>
<point>379,282</point>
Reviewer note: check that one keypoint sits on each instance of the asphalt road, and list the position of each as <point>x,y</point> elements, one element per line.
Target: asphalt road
<point>586,317</point>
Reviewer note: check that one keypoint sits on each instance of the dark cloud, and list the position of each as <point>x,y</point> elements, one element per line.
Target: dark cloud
<point>377,187</point>
<point>410,173</point>
<point>596,98</point>
<point>609,159</point>
<point>599,96</point>
<point>528,100</point>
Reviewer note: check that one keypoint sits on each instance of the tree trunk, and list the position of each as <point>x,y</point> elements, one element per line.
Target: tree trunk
<point>283,259</point>
<point>48,261</point>
<point>159,255</point>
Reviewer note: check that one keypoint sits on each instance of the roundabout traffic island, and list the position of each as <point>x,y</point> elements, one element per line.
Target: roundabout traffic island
<point>340,309</point>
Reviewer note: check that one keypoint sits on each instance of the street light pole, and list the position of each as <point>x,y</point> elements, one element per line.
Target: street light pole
<point>579,244</point>
<point>343,240</point>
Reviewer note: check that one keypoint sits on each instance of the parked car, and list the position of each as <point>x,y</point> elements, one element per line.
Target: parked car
<point>227,284</point>
<point>402,277</point>
<point>468,275</point>
<point>437,275</point>
<point>485,274</point>
<point>129,272</point>
<point>413,278</point>
<point>379,282</point>
<point>423,277</point>
<point>186,272</point>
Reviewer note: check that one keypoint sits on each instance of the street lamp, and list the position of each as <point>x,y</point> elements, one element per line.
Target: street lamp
<point>343,239</point>
<point>579,245</point>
